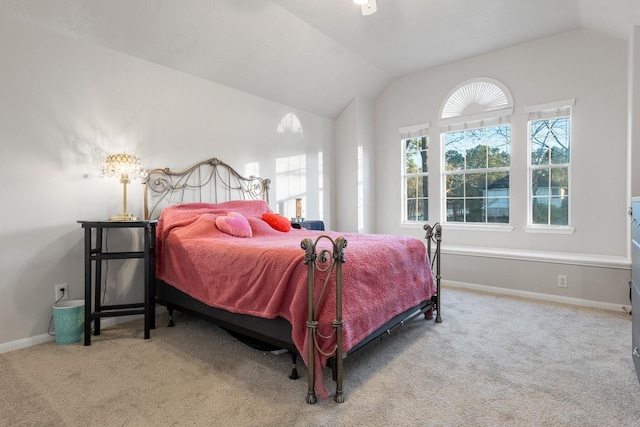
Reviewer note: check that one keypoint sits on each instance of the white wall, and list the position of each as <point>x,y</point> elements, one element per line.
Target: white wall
<point>354,131</point>
<point>65,104</point>
<point>581,65</point>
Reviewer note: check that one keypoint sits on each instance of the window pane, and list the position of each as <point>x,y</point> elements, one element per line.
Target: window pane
<point>475,210</point>
<point>424,212</point>
<point>540,211</point>
<point>412,187</point>
<point>423,187</point>
<point>560,181</point>
<point>499,146</point>
<point>498,184</point>
<point>550,141</point>
<point>559,211</point>
<point>498,210</point>
<point>416,155</point>
<point>417,209</point>
<point>416,180</point>
<point>455,185</point>
<point>477,157</point>
<point>455,210</point>
<point>475,184</point>
<point>539,147</point>
<point>479,152</point>
<point>454,150</point>
<point>559,140</point>
<point>540,182</point>
<point>498,197</point>
<point>411,209</point>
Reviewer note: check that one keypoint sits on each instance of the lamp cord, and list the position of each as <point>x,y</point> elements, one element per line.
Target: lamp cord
<point>51,320</point>
<point>104,287</point>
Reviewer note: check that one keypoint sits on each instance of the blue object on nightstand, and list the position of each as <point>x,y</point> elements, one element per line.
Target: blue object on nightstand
<point>309,225</point>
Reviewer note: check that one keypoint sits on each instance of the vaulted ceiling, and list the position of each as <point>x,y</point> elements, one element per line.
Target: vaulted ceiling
<point>316,55</point>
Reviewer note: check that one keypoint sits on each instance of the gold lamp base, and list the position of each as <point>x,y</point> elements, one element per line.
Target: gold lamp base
<point>124,217</point>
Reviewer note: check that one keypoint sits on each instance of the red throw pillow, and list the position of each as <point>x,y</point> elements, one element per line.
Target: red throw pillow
<point>277,222</point>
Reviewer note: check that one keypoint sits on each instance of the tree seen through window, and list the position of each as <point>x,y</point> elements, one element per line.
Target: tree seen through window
<point>477,165</point>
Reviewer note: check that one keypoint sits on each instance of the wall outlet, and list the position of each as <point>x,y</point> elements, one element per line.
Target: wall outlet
<point>563,281</point>
<point>62,292</point>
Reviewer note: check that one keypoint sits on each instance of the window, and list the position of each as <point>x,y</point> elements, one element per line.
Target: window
<point>549,163</point>
<point>291,183</point>
<point>415,179</point>
<point>477,174</point>
<point>476,142</point>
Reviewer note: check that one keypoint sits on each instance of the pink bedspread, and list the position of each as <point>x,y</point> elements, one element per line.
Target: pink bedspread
<point>265,275</point>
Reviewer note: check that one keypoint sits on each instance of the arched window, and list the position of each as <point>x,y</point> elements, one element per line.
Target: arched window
<point>476,141</point>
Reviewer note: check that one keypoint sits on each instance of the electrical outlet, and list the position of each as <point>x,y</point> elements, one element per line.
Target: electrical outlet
<point>62,292</point>
<point>562,281</point>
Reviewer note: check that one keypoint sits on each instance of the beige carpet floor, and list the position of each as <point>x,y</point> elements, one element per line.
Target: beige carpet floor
<point>494,361</point>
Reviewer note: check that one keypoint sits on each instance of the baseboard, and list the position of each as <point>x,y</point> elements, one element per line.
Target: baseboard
<point>539,296</point>
<point>41,339</point>
<point>105,323</point>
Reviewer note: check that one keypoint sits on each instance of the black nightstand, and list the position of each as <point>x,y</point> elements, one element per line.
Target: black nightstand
<point>93,257</point>
<point>309,224</point>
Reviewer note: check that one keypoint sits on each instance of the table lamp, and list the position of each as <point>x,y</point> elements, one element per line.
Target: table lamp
<point>125,166</point>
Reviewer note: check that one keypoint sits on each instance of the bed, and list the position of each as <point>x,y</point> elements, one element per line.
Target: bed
<point>222,254</point>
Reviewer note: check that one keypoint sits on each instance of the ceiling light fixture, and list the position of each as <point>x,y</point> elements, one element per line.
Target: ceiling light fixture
<point>368,6</point>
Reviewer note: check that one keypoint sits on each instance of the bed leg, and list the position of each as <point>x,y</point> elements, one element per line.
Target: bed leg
<point>171,323</point>
<point>428,315</point>
<point>294,370</point>
<point>331,363</point>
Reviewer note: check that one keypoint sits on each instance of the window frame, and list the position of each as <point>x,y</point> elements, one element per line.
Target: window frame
<point>549,111</point>
<point>406,133</point>
<point>464,172</point>
<point>476,103</point>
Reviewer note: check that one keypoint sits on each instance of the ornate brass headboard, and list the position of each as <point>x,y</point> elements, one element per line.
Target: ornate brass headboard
<point>211,181</point>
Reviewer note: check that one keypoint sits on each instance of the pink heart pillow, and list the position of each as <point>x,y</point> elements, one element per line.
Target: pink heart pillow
<point>234,224</point>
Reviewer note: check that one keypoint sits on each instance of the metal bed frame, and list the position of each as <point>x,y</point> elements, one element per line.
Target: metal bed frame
<point>215,181</point>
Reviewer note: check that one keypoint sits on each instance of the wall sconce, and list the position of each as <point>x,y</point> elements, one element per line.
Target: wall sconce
<point>125,166</point>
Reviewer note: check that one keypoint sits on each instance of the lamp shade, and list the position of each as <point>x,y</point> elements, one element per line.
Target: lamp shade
<point>123,164</point>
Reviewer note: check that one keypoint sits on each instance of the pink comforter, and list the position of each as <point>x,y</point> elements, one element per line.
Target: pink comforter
<point>265,276</point>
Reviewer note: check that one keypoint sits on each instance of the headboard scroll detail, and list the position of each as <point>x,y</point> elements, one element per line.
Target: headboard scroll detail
<point>211,181</point>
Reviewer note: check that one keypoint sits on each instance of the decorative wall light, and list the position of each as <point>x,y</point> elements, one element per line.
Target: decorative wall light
<point>126,167</point>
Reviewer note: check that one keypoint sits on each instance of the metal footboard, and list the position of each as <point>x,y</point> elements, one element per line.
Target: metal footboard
<point>434,235</point>
<point>329,260</point>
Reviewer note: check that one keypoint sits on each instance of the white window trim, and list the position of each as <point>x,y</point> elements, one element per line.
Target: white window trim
<point>407,132</point>
<point>556,109</point>
<point>414,131</point>
<point>550,106</point>
<point>478,226</point>
<point>549,229</point>
<point>496,115</point>
<point>476,121</point>
<point>488,226</point>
